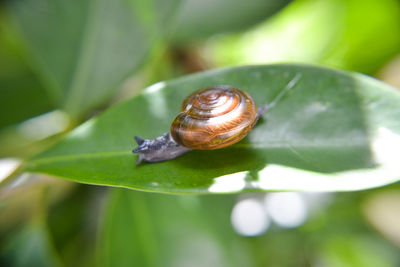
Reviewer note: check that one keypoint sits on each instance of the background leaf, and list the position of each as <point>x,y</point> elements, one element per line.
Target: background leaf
<point>330,131</point>
<point>16,108</point>
<point>138,226</point>
<point>198,18</point>
<point>181,230</point>
<point>83,49</point>
<point>30,247</point>
<point>22,94</point>
<point>333,33</point>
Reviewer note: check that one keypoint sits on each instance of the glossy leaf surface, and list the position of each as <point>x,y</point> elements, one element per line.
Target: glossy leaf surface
<point>324,130</point>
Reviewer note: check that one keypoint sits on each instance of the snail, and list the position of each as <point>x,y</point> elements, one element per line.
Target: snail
<point>211,118</point>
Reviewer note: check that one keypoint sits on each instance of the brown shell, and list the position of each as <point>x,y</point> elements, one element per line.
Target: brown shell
<point>214,118</point>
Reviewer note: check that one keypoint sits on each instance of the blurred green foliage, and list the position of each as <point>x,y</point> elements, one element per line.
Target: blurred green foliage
<point>29,247</point>
<point>356,35</point>
<point>200,19</point>
<point>80,47</point>
<point>22,95</point>
<point>74,55</point>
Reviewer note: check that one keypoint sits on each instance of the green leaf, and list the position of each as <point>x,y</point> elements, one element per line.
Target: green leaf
<point>199,19</point>
<point>31,246</point>
<point>325,130</point>
<point>69,221</point>
<point>84,49</point>
<point>304,32</point>
<point>362,251</point>
<point>22,96</point>
<point>159,230</point>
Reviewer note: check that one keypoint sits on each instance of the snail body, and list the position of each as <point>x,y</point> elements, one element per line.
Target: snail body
<point>210,118</point>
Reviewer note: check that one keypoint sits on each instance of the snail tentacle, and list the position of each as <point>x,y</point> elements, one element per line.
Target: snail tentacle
<point>261,111</point>
<point>159,149</point>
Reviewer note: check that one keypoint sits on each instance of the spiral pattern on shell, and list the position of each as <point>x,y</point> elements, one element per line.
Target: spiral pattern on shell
<point>214,118</point>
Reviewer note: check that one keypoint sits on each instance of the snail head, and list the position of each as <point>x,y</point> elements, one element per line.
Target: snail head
<point>158,149</point>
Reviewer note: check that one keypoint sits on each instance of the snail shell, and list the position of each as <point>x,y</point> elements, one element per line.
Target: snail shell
<point>214,118</point>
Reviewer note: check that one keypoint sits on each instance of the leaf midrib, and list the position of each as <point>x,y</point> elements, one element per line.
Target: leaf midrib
<point>104,154</point>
